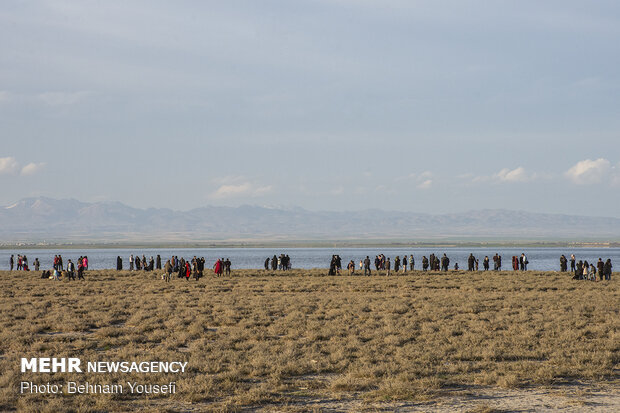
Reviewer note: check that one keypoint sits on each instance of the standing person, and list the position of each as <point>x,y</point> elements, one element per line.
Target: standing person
<point>445,263</point>
<point>60,266</point>
<point>471,261</point>
<point>424,263</point>
<point>131,262</point>
<point>387,266</point>
<point>227,265</point>
<point>188,270</point>
<point>572,263</point>
<point>119,263</point>
<point>405,263</point>
<point>19,262</point>
<point>351,267</point>
<point>274,262</point>
<point>367,266</point>
<point>80,271</point>
<point>485,263</point>
<point>36,264</point>
<point>217,267</point>
<point>70,270</point>
<point>601,268</point>
<point>396,264</point>
<point>11,263</point>
<point>85,262</point>
<point>495,260</point>
<point>564,263</point>
<point>267,263</point>
<point>607,269</point>
<point>524,262</point>
<point>477,262</point>
<point>167,271</point>
<point>158,262</point>
<point>411,262</point>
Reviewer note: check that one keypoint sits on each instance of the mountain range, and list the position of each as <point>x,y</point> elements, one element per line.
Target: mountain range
<point>41,219</point>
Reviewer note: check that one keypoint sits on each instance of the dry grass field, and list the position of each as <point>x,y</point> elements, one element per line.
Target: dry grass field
<point>300,340</point>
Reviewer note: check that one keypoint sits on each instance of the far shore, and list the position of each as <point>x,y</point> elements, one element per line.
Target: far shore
<point>315,244</point>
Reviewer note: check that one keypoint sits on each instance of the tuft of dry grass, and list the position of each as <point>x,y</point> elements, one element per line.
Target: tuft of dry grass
<point>265,340</point>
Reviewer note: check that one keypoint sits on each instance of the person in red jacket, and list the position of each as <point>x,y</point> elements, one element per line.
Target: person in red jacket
<point>188,270</point>
<point>217,267</point>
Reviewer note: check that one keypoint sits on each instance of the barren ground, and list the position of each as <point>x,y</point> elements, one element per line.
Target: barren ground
<point>302,341</point>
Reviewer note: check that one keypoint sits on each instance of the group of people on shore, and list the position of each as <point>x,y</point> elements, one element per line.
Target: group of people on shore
<point>282,263</point>
<point>139,264</point>
<point>182,268</point>
<point>21,263</point>
<point>59,271</point>
<point>583,270</point>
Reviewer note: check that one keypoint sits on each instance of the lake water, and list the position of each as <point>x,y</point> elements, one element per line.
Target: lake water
<point>542,259</point>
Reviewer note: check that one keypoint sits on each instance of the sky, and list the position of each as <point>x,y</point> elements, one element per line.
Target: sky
<point>422,106</point>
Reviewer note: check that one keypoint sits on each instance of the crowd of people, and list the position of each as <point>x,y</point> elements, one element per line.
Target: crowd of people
<point>282,263</point>
<point>581,269</point>
<point>21,263</point>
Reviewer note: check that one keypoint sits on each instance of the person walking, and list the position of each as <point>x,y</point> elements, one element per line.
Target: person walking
<point>11,263</point>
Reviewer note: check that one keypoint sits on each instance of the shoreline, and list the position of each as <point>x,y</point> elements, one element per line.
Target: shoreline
<point>313,244</point>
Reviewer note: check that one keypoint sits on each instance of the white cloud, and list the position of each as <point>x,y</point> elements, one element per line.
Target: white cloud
<point>515,175</point>
<point>589,172</point>
<point>8,166</point>
<point>32,168</point>
<point>506,175</point>
<point>426,184</point>
<point>422,180</point>
<point>239,190</point>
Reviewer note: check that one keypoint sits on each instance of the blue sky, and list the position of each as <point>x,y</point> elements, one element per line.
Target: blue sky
<point>426,106</point>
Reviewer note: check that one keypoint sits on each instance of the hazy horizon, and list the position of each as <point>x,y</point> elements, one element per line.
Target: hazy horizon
<point>427,106</point>
<point>293,207</point>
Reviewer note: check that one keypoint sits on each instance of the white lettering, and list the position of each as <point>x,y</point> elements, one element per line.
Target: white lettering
<point>44,365</point>
<point>74,365</point>
<point>29,365</point>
